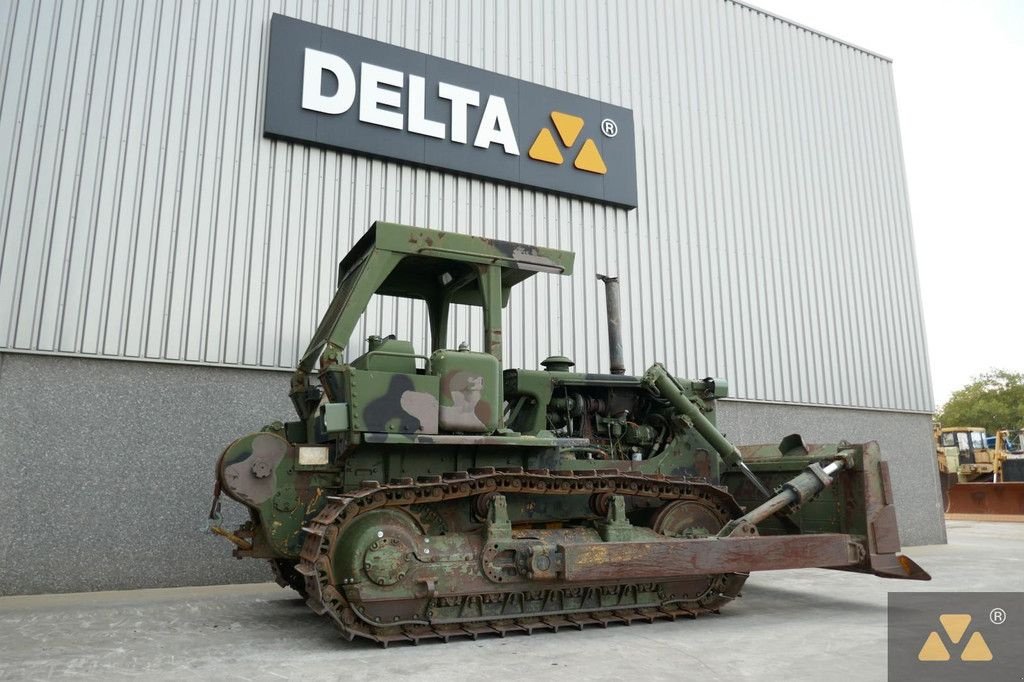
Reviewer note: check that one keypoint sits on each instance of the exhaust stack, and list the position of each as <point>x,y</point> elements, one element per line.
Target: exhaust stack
<point>611,295</point>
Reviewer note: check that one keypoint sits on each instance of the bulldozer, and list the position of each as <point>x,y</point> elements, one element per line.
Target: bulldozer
<point>981,476</point>
<point>964,454</point>
<point>1010,456</point>
<point>434,494</point>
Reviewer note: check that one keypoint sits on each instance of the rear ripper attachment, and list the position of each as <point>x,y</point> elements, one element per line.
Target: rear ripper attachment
<point>436,496</point>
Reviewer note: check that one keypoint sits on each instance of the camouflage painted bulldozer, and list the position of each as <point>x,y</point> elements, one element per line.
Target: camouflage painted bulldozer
<point>438,496</point>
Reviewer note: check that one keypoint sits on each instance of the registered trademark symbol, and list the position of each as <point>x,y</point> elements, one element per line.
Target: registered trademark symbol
<point>997,616</point>
<point>609,127</point>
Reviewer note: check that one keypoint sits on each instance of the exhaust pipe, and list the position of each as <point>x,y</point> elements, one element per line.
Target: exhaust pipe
<point>611,296</point>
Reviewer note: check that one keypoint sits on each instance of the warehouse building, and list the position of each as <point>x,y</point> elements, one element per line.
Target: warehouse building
<point>178,182</point>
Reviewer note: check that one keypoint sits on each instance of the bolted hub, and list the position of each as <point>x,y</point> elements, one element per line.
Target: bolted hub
<point>261,468</point>
<point>386,561</point>
<point>689,519</point>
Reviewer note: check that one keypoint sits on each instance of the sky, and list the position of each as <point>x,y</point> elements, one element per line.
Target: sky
<point>959,73</point>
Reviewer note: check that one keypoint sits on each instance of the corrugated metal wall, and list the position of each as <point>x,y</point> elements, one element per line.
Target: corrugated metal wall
<point>144,216</point>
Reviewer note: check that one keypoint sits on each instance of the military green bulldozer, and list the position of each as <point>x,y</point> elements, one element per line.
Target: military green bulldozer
<point>439,495</point>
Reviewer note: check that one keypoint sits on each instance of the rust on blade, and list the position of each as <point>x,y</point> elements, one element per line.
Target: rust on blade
<point>884,530</point>
<point>611,560</point>
<point>987,498</point>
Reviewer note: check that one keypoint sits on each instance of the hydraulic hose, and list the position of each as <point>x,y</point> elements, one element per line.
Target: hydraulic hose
<point>658,378</point>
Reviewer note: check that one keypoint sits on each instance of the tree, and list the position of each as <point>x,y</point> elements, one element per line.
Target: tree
<point>994,400</point>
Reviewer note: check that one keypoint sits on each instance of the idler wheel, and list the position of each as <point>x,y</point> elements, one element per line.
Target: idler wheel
<point>697,518</point>
<point>688,519</point>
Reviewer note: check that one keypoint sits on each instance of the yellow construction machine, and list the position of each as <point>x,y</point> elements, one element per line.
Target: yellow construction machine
<point>981,475</point>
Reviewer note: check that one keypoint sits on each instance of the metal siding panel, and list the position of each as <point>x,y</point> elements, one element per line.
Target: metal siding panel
<point>893,270</point>
<point>878,268</point>
<point>143,214</point>
<point>16,40</point>
<point>915,361</point>
<point>824,232</point>
<point>55,221</point>
<point>757,351</point>
<point>27,244</point>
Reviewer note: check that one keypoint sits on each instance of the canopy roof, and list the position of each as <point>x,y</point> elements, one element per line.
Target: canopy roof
<point>439,267</point>
<point>435,261</point>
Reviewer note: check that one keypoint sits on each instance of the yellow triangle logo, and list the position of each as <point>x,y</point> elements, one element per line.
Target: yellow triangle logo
<point>976,649</point>
<point>933,649</point>
<point>568,126</point>
<point>589,159</point>
<point>955,625</point>
<point>544,148</point>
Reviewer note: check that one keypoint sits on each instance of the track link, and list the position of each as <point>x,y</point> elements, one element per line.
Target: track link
<point>286,576</point>
<point>561,606</point>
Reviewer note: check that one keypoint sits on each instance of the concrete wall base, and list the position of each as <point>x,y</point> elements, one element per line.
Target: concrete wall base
<point>109,471</point>
<point>905,439</point>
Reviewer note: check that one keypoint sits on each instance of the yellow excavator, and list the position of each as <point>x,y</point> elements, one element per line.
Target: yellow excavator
<point>981,475</point>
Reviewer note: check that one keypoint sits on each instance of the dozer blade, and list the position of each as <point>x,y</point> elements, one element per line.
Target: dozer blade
<point>987,499</point>
<point>858,503</point>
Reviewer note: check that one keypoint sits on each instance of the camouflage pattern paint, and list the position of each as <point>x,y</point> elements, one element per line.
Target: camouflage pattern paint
<point>458,477</point>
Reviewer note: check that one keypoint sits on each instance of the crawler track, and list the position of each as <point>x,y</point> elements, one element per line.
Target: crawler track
<point>524,607</point>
